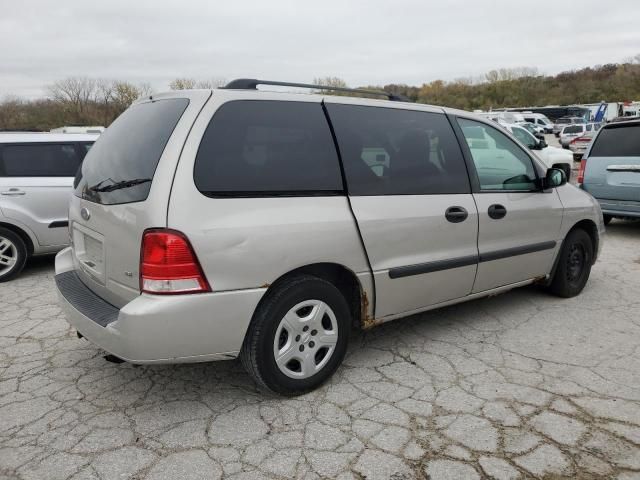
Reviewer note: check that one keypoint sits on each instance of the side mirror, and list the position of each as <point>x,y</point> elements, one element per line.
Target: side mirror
<point>555,177</point>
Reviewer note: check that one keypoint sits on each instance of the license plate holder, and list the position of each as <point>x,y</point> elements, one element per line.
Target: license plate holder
<point>89,251</point>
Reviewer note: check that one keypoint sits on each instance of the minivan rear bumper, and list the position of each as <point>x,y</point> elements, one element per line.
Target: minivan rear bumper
<point>619,208</point>
<point>158,328</point>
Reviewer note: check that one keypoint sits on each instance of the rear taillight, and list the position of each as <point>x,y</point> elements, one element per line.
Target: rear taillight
<point>581,140</point>
<point>169,265</point>
<point>583,165</point>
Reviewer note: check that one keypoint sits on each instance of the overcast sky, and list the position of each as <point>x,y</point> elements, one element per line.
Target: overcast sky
<point>363,42</point>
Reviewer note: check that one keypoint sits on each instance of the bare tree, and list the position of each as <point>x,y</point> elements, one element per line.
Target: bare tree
<point>182,83</point>
<point>214,82</point>
<point>78,92</point>
<point>503,74</point>
<point>145,89</point>
<point>124,94</point>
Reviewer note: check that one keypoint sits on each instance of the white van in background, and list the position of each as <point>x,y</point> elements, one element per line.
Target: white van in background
<point>73,129</point>
<point>502,117</point>
<point>539,120</point>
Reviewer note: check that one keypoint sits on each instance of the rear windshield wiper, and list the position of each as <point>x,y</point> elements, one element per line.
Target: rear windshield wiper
<point>119,185</point>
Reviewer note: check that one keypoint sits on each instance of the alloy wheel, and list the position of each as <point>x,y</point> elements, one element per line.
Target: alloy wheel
<point>8,255</point>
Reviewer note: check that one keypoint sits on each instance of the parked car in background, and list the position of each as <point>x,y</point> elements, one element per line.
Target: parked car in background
<point>36,180</point>
<point>610,170</point>
<point>539,120</point>
<point>208,225</point>
<point>560,123</point>
<point>580,145</point>
<point>571,132</point>
<point>553,157</point>
<point>502,117</point>
<point>533,129</point>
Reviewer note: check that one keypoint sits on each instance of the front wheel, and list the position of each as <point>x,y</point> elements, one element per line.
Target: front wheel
<point>298,336</point>
<point>13,254</point>
<point>574,265</point>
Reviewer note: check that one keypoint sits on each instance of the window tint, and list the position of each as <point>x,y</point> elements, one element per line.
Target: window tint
<point>619,141</point>
<point>563,120</point>
<point>39,160</point>
<point>388,151</point>
<point>120,166</point>
<point>84,148</point>
<point>501,164</point>
<point>262,147</point>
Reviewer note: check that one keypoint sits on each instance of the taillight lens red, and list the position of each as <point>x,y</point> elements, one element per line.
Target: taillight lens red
<point>168,264</point>
<point>583,165</point>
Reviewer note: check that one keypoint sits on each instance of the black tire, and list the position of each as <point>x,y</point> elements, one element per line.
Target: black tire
<point>18,248</point>
<point>577,157</point>
<point>574,265</point>
<point>257,354</point>
<point>607,219</point>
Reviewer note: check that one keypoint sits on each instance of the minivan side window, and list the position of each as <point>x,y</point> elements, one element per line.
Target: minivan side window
<point>263,147</point>
<point>39,160</point>
<point>500,163</point>
<point>618,141</point>
<point>388,151</point>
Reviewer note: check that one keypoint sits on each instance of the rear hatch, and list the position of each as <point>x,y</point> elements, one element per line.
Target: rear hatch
<point>123,188</point>
<point>612,169</point>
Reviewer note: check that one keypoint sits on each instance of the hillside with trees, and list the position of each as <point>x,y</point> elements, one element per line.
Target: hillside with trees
<point>87,101</point>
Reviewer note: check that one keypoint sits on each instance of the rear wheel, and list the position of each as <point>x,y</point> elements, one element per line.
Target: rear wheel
<point>298,336</point>
<point>577,157</point>
<point>607,219</point>
<point>13,254</point>
<point>574,265</point>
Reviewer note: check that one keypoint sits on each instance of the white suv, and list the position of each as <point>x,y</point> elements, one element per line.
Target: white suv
<point>36,177</point>
<point>208,225</point>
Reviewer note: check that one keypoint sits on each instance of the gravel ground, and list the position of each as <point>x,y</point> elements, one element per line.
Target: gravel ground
<point>518,385</point>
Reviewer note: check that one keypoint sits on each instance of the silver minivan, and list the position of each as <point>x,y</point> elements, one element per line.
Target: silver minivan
<point>208,225</point>
<point>610,170</point>
<point>36,176</point>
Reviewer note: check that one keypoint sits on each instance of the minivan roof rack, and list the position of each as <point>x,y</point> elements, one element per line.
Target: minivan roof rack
<point>252,84</point>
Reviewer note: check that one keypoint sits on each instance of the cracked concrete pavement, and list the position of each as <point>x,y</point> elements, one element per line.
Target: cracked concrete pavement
<point>522,385</point>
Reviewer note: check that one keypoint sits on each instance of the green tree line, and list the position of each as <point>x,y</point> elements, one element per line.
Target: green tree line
<point>88,101</point>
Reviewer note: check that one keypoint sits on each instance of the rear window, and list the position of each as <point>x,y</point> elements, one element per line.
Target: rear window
<point>120,166</point>
<point>263,147</point>
<point>39,160</point>
<point>622,141</point>
<point>563,120</point>
<point>572,129</point>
